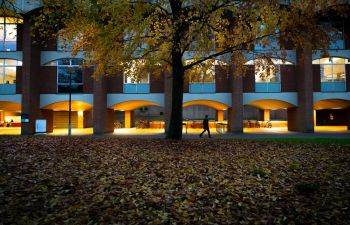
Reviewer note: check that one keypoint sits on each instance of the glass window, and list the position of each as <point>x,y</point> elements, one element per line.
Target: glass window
<point>68,69</point>
<point>142,78</point>
<point>136,74</point>
<point>8,33</point>
<point>201,74</point>
<point>8,70</point>
<point>332,69</point>
<point>267,72</point>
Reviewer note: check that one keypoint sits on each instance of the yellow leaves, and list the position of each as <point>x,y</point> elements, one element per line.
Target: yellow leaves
<point>149,181</point>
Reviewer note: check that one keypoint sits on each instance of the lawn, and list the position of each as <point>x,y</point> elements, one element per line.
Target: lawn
<point>46,180</point>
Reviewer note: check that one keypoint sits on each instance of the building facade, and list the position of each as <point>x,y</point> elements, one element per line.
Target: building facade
<point>305,91</point>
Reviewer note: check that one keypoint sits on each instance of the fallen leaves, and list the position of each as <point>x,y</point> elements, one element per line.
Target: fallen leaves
<point>44,180</point>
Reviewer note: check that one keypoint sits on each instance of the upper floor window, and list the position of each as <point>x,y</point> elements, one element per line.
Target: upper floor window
<point>267,74</point>
<point>142,78</point>
<point>332,69</point>
<point>202,74</point>
<point>8,33</point>
<point>8,70</point>
<point>333,73</point>
<point>68,69</point>
<point>136,79</point>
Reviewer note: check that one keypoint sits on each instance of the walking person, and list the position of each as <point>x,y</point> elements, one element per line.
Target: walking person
<point>205,126</point>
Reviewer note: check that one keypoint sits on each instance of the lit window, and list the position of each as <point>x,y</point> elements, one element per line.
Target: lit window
<point>137,74</point>
<point>68,69</point>
<point>202,74</point>
<point>8,71</point>
<point>8,33</point>
<point>332,69</point>
<point>142,78</point>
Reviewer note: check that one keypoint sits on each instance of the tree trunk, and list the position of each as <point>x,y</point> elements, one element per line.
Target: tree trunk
<point>175,126</point>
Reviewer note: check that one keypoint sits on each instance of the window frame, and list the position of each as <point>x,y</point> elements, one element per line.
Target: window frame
<point>3,67</point>
<point>202,76</point>
<point>331,63</point>
<point>6,22</point>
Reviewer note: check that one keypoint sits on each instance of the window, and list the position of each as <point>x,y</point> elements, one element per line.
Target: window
<point>333,73</point>
<point>68,69</point>
<point>332,69</point>
<point>200,74</point>
<point>267,74</point>
<point>136,79</point>
<point>142,78</point>
<point>8,71</point>
<point>8,33</point>
<point>202,77</point>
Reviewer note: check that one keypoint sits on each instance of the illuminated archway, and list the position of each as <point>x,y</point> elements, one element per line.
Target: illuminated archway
<point>210,103</point>
<point>132,105</point>
<point>64,106</point>
<point>10,106</point>
<point>332,104</point>
<point>271,104</point>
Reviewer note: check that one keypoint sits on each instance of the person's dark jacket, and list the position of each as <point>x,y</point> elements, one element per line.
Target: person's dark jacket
<point>206,123</point>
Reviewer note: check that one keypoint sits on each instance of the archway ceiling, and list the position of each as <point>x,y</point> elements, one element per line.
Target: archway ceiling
<point>332,104</point>
<point>213,104</point>
<point>64,106</point>
<point>132,105</point>
<point>271,104</point>
<point>10,106</point>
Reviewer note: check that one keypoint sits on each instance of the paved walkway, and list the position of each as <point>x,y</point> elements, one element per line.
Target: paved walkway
<point>335,132</point>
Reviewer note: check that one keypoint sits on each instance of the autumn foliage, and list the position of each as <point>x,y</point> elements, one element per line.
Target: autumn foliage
<point>153,181</point>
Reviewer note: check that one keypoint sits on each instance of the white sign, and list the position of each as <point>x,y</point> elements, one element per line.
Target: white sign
<point>40,126</point>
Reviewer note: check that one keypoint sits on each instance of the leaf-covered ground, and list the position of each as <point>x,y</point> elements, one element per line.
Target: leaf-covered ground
<point>154,181</point>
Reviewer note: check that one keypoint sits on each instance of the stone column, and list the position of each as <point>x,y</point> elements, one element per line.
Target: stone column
<point>301,118</point>
<point>235,113</point>
<point>80,119</point>
<point>219,115</point>
<point>103,117</point>
<point>30,78</point>
<point>266,114</point>
<point>128,119</point>
<point>47,114</point>
<point>88,118</point>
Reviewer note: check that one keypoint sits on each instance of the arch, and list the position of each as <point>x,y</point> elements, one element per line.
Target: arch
<point>48,57</point>
<point>275,61</point>
<point>10,106</point>
<point>271,104</point>
<point>64,106</point>
<point>332,104</point>
<point>132,105</point>
<point>210,103</point>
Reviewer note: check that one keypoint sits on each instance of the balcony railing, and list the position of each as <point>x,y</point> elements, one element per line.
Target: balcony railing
<point>202,87</point>
<point>338,44</point>
<point>136,88</point>
<point>267,87</point>
<point>333,86</point>
<point>7,89</point>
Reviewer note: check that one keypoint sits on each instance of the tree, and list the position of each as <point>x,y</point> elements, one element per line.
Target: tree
<point>162,34</point>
